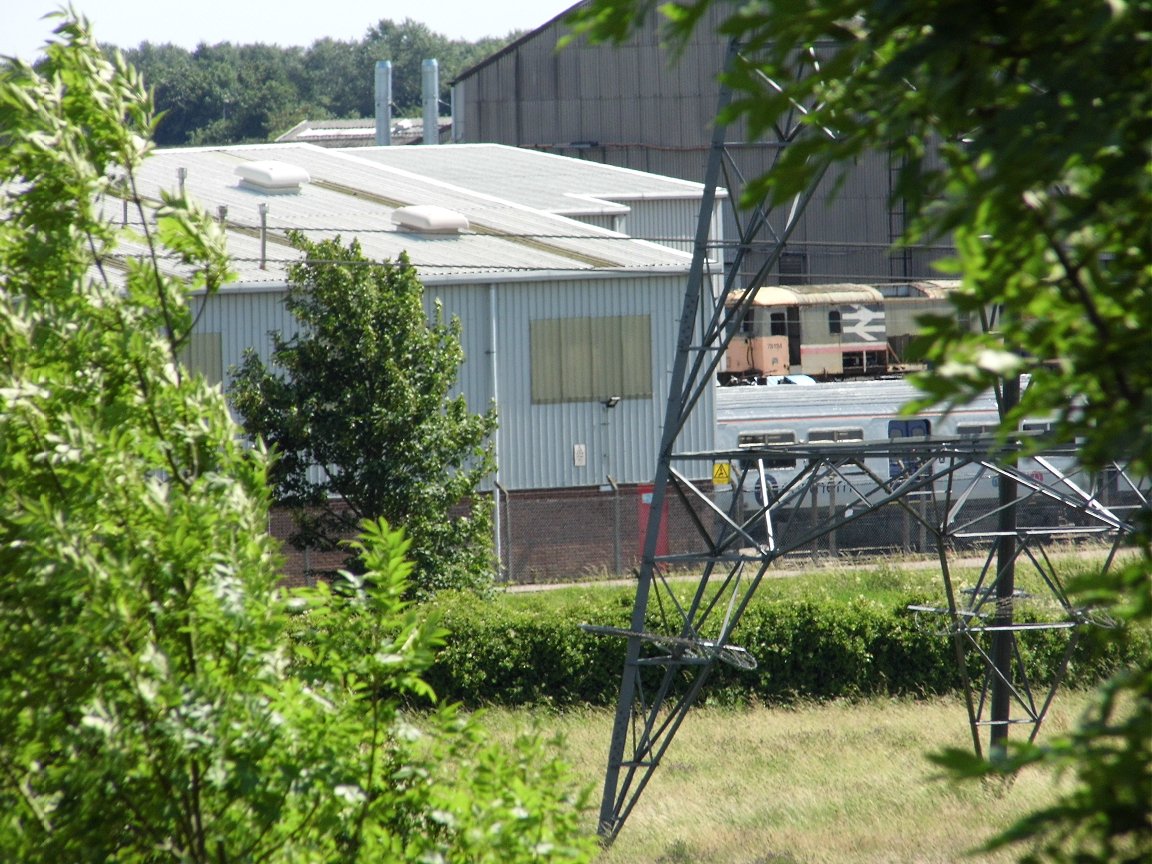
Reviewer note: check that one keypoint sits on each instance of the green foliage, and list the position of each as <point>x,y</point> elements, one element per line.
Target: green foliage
<point>229,93</point>
<point>364,391</point>
<point>529,650</point>
<point>526,654</point>
<point>421,787</point>
<point>1022,131</point>
<point>153,706</point>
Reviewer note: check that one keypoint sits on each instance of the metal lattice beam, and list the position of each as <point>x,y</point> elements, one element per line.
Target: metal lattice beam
<point>676,638</point>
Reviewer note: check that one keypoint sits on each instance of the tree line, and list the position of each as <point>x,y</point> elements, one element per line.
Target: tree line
<point>229,93</point>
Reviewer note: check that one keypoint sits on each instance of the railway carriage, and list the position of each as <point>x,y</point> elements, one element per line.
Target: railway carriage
<point>788,421</point>
<point>831,332</point>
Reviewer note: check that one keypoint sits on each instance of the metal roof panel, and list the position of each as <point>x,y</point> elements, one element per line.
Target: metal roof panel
<point>349,196</point>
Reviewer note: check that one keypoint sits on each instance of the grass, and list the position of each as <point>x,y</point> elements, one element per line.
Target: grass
<point>832,783</point>
<point>838,783</point>
<point>889,581</point>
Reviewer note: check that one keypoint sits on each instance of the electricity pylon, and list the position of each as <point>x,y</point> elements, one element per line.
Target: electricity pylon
<point>679,632</point>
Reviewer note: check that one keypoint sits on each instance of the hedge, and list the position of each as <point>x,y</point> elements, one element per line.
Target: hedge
<point>520,654</point>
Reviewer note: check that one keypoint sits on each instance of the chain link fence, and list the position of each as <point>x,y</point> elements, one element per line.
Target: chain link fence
<point>593,533</point>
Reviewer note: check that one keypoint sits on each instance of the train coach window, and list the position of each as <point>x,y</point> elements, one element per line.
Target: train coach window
<point>759,440</point>
<point>1043,430</point>
<point>975,430</point>
<point>836,435</point>
<point>913,427</point>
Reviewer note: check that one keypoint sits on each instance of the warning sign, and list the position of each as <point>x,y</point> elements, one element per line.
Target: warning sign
<point>721,473</point>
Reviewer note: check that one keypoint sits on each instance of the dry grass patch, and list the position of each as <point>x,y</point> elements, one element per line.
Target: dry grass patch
<point>840,783</point>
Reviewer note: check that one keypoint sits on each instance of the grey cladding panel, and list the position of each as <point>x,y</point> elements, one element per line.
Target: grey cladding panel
<point>595,116</point>
<point>541,122</point>
<point>627,79</point>
<point>652,69</point>
<point>676,124</point>
<point>570,122</point>
<point>613,116</point>
<point>536,78</point>
<point>611,76</point>
<point>498,81</point>
<point>693,79</point>
<point>569,66</point>
<point>500,119</point>
<point>651,115</point>
<point>590,77</point>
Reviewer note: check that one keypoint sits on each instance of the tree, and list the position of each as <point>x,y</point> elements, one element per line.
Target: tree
<point>364,391</point>
<point>160,699</point>
<point>1024,132</point>
<point>226,93</point>
<point>408,44</point>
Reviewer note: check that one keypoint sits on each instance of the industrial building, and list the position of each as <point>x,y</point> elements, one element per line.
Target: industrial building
<point>641,105</point>
<point>569,321</point>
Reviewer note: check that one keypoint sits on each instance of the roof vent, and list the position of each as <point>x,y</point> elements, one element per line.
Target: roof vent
<point>430,219</point>
<point>272,176</point>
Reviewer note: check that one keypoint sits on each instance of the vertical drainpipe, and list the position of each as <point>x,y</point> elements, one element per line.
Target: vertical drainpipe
<point>430,77</point>
<point>454,135</point>
<point>494,368</point>
<point>383,103</point>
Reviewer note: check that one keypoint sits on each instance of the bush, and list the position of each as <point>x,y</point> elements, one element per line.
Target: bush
<point>513,651</point>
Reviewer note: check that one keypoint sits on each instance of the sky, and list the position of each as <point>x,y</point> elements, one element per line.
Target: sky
<point>127,23</point>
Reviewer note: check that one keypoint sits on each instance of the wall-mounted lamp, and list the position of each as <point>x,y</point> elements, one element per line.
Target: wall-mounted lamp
<point>611,402</point>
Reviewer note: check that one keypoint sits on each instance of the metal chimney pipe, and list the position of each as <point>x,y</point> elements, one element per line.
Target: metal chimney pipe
<point>430,76</point>
<point>263,236</point>
<point>383,103</point>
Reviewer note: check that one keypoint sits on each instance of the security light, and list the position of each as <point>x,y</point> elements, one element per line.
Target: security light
<point>611,402</point>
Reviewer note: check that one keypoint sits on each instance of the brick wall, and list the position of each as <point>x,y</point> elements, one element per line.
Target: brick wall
<point>546,535</point>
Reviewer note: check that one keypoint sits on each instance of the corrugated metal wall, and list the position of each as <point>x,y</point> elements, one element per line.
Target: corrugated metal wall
<point>244,320</point>
<point>534,95</point>
<point>536,442</point>
<point>668,222</point>
<point>630,107</point>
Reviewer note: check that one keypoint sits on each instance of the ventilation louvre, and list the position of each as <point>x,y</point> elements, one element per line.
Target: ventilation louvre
<point>430,219</point>
<point>272,176</point>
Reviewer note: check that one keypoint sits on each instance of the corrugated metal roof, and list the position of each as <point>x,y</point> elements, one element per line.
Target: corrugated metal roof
<point>807,295</point>
<point>937,289</point>
<point>361,132</point>
<point>545,181</point>
<point>355,197</point>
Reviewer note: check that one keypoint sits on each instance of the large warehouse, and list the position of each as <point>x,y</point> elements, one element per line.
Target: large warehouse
<point>569,327</point>
<point>642,105</point>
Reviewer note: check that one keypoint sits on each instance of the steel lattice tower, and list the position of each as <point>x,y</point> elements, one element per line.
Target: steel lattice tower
<point>676,637</point>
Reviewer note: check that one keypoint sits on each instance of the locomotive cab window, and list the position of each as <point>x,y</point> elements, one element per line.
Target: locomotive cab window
<point>760,440</point>
<point>834,322</point>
